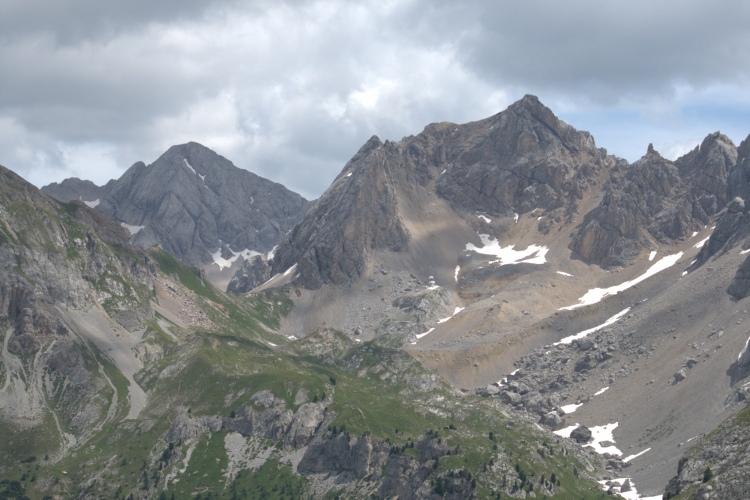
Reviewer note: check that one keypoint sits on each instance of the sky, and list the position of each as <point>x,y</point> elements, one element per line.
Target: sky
<point>291,89</point>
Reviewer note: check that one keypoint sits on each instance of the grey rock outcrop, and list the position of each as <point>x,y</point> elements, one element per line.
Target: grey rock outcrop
<point>57,261</point>
<point>656,199</point>
<point>193,202</point>
<point>521,159</point>
<point>359,213</point>
<point>552,420</point>
<point>733,223</point>
<point>253,273</point>
<point>718,463</point>
<point>272,421</point>
<point>341,453</point>
<point>74,189</point>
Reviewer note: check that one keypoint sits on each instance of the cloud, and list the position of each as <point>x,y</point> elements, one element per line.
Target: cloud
<point>291,90</point>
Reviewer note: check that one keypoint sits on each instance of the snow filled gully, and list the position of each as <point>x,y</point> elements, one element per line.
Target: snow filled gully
<point>603,441</point>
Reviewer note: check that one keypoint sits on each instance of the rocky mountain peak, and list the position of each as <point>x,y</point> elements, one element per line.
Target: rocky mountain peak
<point>519,160</point>
<point>197,204</point>
<point>522,159</point>
<point>359,213</point>
<point>656,199</point>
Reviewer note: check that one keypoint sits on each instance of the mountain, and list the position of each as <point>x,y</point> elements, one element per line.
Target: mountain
<point>515,245</point>
<point>505,276</point>
<point>520,160</point>
<point>126,375</point>
<point>196,204</point>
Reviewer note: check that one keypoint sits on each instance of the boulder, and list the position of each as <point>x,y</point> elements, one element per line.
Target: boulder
<point>510,398</point>
<point>626,486</point>
<point>581,434</point>
<point>552,420</point>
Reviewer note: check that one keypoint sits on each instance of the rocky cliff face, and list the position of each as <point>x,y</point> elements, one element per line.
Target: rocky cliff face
<point>53,258</point>
<point>718,466</point>
<point>656,200</point>
<point>195,203</point>
<point>359,213</point>
<point>517,161</point>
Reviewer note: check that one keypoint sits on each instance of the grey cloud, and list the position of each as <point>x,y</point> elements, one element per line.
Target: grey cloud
<point>292,89</point>
<point>608,49</point>
<point>70,21</point>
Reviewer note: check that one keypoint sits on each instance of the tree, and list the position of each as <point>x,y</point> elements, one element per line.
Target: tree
<point>707,475</point>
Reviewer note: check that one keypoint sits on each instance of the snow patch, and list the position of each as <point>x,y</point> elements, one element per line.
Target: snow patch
<point>631,457</point>
<point>348,175</point>
<point>132,229</point>
<point>290,270</point>
<point>747,345</point>
<point>597,294</point>
<point>458,310</point>
<point>566,431</point>
<point>534,254</point>
<point>695,233</point>
<point>270,254</point>
<point>600,434</point>
<point>745,251</point>
<point>188,165</point>
<point>564,273</point>
<point>272,344</point>
<point>702,242</point>
<point>601,391</point>
<point>222,262</point>
<point>610,321</point>
<point>627,495</point>
<point>570,408</point>
<point>651,255</point>
<point>92,204</point>
<point>420,335</point>
<point>515,218</point>
<point>458,268</point>
<point>484,218</point>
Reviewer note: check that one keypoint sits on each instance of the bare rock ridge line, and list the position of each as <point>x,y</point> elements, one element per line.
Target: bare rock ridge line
<point>193,202</point>
<point>519,161</point>
<point>508,264</point>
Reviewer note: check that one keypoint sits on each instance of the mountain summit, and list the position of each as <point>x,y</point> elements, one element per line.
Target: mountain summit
<point>520,160</point>
<point>195,203</point>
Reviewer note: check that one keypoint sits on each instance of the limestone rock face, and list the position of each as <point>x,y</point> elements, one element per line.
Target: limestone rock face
<point>521,159</point>
<point>254,272</point>
<point>193,202</point>
<point>723,453</point>
<point>656,200</point>
<point>359,213</point>
<point>733,222</point>
<point>56,262</point>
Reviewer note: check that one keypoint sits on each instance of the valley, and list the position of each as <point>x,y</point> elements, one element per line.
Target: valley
<point>493,309</point>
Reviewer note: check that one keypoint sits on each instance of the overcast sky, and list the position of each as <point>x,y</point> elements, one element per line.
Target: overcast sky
<point>291,89</point>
